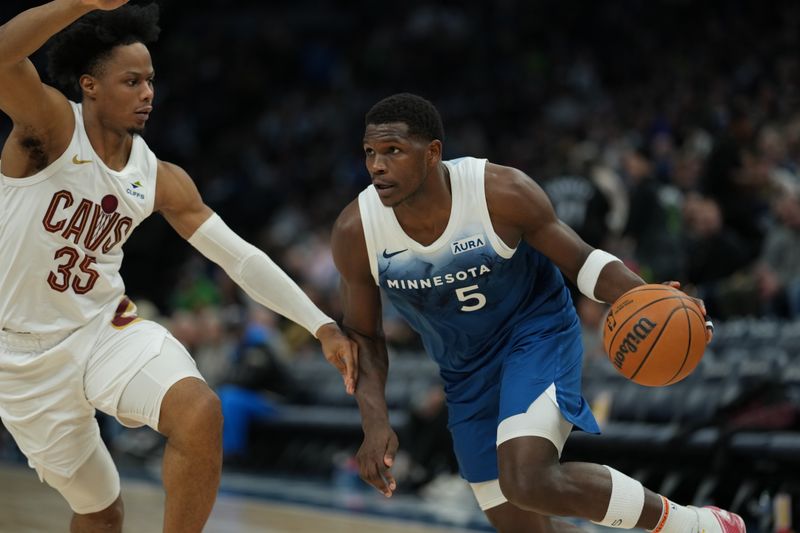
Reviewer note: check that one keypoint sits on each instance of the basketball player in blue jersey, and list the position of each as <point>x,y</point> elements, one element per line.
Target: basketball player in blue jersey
<point>469,253</point>
<point>75,180</point>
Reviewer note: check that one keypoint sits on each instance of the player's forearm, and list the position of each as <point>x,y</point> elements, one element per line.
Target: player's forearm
<point>266,283</point>
<point>371,399</point>
<point>27,32</point>
<point>257,274</point>
<point>373,367</point>
<point>615,280</point>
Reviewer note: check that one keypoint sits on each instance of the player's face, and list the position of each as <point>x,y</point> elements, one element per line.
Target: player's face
<point>398,164</point>
<point>124,88</point>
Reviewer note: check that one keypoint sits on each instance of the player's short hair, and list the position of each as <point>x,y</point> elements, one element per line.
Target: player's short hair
<point>419,114</point>
<point>83,47</point>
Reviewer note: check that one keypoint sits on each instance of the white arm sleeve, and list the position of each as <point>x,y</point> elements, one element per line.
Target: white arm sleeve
<point>256,273</point>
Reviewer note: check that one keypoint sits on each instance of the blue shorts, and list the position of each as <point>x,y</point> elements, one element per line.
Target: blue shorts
<point>526,362</point>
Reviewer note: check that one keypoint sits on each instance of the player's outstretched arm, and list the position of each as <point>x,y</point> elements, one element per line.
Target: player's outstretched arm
<point>521,209</point>
<point>362,321</point>
<point>179,201</point>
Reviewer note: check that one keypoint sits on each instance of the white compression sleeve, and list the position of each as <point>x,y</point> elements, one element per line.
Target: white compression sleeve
<point>256,273</point>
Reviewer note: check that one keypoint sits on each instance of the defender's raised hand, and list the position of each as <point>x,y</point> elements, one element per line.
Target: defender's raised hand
<point>341,352</point>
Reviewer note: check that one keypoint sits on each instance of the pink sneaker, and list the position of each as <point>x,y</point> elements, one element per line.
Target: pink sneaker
<point>729,522</point>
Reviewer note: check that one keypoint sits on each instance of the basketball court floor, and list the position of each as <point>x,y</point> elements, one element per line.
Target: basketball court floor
<point>249,504</point>
<point>246,504</point>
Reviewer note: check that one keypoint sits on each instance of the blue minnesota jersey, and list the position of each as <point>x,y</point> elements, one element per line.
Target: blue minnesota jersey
<point>467,292</point>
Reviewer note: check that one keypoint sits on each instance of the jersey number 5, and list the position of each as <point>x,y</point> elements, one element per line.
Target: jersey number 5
<point>61,281</point>
<point>467,294</point>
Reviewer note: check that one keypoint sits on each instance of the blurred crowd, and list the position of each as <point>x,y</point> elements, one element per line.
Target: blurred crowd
<point>667,132</point>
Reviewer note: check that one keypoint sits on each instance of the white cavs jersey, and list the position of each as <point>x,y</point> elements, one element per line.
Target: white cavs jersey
<point>62,231</point>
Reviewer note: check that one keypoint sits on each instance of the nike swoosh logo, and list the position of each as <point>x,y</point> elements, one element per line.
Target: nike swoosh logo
<point>387,255</point>
<point>77,161</point>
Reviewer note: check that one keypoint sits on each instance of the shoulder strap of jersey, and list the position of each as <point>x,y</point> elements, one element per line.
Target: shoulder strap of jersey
<point>478,189</point>
<point>370,215</point>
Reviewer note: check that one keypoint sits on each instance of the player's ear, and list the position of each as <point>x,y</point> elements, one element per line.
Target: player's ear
<point>88,85</point>
<point>435,151</point>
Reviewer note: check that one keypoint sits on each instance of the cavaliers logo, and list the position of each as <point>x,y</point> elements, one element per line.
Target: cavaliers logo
<point>125,314</point>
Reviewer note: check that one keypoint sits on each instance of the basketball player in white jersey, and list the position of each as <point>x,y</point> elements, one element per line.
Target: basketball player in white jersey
<point>75,180</point>
<point>469,253</point>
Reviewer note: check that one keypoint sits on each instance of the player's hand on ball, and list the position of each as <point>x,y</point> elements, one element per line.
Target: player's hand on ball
<point>105,5</point>
<point>376,457</point>
<point>701,305</point>
<point>341,352</point>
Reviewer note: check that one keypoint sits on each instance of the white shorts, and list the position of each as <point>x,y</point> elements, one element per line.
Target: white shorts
<point>542,419</point>
<point>50,386</point>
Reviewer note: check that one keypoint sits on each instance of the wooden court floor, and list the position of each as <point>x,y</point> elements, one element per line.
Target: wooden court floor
<point>28,506</point>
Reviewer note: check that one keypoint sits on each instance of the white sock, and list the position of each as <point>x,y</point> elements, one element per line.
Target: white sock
<point>682,519</point>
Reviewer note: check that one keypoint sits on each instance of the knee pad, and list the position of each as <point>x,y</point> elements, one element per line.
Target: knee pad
<point>93,487</point>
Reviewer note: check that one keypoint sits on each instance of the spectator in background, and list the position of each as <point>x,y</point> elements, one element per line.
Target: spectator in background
<point>257,381</point>
<point>581,204</point>
<point>654,220</point>
<point>735,178</point>
<point>429,452</point>
<point>778,268</point>
<point>714,252</point>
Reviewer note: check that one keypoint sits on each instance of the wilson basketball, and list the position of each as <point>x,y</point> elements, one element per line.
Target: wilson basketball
<point>655,335</point>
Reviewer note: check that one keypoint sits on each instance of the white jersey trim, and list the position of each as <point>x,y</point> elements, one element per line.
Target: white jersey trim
<point>457,194</point>
<point>369,238</point>
<point>502,249</point>
<point>136,145</point>
<point>468,199</point>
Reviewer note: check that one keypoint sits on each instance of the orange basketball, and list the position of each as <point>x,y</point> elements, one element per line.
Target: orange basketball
<point>655,335</point>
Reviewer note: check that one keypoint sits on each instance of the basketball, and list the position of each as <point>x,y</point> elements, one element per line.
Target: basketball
<point>655,335</point>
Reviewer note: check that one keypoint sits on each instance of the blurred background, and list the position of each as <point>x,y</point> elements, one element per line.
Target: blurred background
<point>667,132</point>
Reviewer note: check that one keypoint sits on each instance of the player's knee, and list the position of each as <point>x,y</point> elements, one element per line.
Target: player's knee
<point>207,411</point>
<point>204,415</point>
<point>530,488</point>
<point>201,418</point>
<point>193,412</point>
